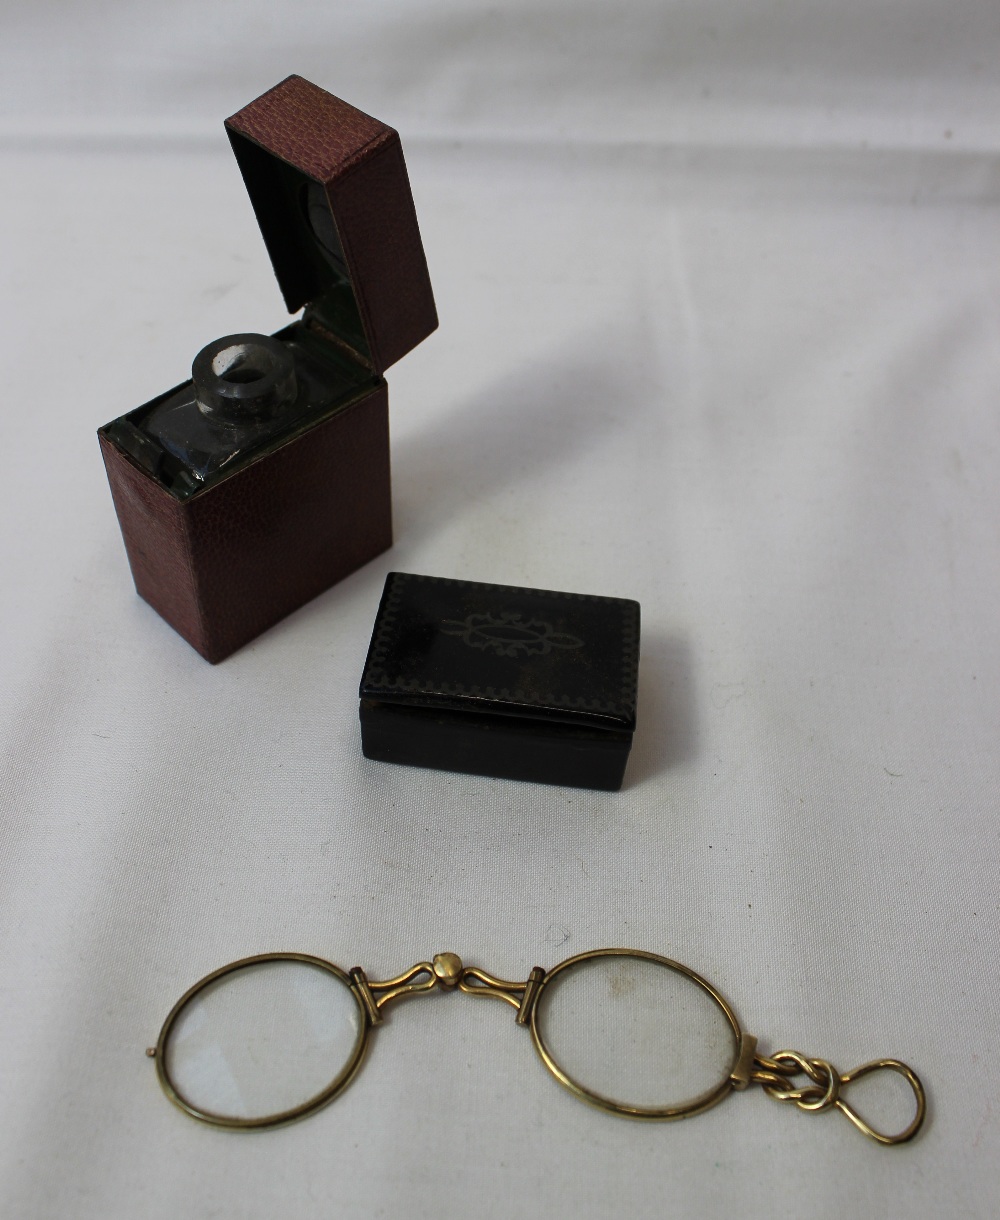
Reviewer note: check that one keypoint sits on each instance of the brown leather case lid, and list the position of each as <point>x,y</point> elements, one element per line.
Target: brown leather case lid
<point>297,133</point>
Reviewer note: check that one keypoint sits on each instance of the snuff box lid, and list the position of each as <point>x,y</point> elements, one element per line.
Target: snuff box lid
<point>332,198</point>
<point>464,646</point>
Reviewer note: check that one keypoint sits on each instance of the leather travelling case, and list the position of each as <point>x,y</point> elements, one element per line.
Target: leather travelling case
<point>495,680</point>
<point>246,493</point>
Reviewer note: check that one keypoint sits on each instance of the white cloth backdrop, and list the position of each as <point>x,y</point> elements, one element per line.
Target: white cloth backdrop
<point>719,287</point>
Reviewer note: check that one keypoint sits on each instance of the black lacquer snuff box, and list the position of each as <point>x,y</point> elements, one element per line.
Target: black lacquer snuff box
<point>496,680</point>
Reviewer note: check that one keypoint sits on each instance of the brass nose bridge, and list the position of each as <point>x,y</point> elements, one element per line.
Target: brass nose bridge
<point>447,972</point>
<point>444,971</point>
<point>520,995</point>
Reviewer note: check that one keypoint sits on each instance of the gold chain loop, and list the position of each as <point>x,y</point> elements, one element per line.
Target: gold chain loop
<point>823,1092</point>
<point>776,1080</point>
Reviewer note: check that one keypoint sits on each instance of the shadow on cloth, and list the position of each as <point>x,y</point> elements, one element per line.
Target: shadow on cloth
<point>666,733</point>
<point>542,416</point>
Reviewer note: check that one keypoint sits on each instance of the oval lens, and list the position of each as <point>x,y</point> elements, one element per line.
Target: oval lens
<point>264,1039</point>
<point>635,1033</point>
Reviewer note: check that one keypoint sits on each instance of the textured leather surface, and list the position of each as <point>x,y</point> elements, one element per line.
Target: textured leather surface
<point>374,212</point>
<point>155,533</point>
<point>310,128</point>
<point>227,564</point>
<point>360,162</point>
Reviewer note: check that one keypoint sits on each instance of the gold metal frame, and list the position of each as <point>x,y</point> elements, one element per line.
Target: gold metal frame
<point>776,1075</point>
<point>312,1104</point>
<point>696,1105</point>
